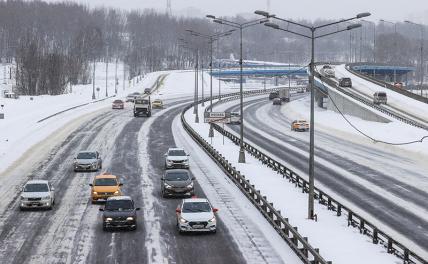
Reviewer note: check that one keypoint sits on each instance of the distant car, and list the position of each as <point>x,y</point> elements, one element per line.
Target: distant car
<point>299,125</point>
<point>196,215</point>
<point>104,186</point>
<point>176,158</point>
<point>157,103</point>
<point>119,212</point>
<point>235,118</point>
<point>345,82</point>
<point>118,104</point>
<point>329,72</point>
<point>380,98</point>
<point>398,85</point>
<point>277,101</point>
<point>87,161</point>
<point>37,194</point>
<point>147,90</point>
<point>273,95</point>
<point>326,66</point>
<point>131,97</point>
<point>177,182</point>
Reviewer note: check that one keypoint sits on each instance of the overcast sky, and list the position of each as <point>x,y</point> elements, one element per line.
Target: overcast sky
<point>416,10</point>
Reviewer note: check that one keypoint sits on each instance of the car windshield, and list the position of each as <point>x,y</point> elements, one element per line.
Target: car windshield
<point>177,176</point>
<point>86,155</point>
<point>381,94</point>
<point>176,152</point>
<point>141,101</point>
<point>157,101</point>
<point>119,205</point>
<point>36,187</point>
<point>105,182</point>
<point>196,207</point>
<point>117,101</point>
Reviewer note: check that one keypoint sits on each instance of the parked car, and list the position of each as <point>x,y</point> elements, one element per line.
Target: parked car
<point>277,101</point>
<point>273,95</point>
<point>147,90</point>
<point>157,103</point>
<point>37,194</point>
<point>104,186</point>
<point>87,161</point>
<point>118,104</point>
<point>345,82</point>
<point>119,212</point>
<point>176,158</point>
<point>379,98</point>
<point>299,125</point>
<point>177,182</point>
<point>196,215</point>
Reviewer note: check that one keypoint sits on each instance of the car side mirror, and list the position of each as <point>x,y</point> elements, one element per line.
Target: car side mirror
<point>101,209</point>
<point>91,184</point>
<point>178,210</point>
<point>52,189</point>
<point>137,209</point>
<point>215,210</point>
<point>120,184</point>
<point>162,179</point>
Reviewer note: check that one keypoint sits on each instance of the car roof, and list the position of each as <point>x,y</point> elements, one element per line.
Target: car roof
<point>37,182</point>
<point>106,175</point>
<point>119,198</point>
<point>195,200</point>
<point>175,148</point>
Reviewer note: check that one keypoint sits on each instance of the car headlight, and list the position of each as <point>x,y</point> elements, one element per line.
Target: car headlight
<point>212,220</point>
<point>94,193</point>
<point>190,185</point>
<point>130,219</point>
<point>108,219</point>
<point>186,161</point>
<point>23,198</point>
<point>182,220</point>
<point>116,192</point>
<point>46,197</point>
<point>169,161</point>
<point>167,186</point>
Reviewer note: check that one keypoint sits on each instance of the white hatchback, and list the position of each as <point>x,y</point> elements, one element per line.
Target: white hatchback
<point>176,158</point>
<point>37,194</point>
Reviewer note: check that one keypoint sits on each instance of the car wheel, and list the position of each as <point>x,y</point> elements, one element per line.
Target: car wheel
<point>133,228</point>
<point>105,227</point>
<point>214,231</point>
<point>21,208</point>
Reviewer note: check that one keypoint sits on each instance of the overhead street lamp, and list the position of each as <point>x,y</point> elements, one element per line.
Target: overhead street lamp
<point>395,44</point>
<point>422,52</point>
<point>312,37</point>
<point>195,98</point>
<point>239,26</point>
<point>211,39</point>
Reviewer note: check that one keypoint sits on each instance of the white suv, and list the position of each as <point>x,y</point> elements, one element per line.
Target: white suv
<point>176,158</point>
<point>37,194</point>
<point>196,215</point>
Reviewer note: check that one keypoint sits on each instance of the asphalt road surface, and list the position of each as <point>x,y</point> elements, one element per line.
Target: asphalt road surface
<point>262,119</point>
<point>72,231</point>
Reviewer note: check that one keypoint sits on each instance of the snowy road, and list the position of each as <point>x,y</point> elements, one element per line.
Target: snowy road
<point>375,181</point>
<point>72,232</point>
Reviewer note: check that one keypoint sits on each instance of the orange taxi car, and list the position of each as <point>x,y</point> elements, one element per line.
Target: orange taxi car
<point>104,186</point>
<point>299,125</point>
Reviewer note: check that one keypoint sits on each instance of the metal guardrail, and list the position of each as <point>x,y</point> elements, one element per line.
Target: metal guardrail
<point>419,98</point>
<point>290,234</point>
<point>370,104</point>
<point>355,220</point>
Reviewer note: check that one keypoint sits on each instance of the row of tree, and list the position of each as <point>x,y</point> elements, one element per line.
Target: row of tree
<point>54,44</point>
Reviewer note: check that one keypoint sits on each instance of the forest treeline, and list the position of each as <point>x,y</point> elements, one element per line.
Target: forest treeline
<point>54,44</point>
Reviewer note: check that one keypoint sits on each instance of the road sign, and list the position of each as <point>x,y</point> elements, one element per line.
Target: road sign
<point>216,117</point>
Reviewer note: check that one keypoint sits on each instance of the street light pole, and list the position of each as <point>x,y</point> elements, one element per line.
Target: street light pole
<point>312,37</point>
<point>240,26</point>
<point>395,45</point>
<point>93,81</point>
<point>422,54</point>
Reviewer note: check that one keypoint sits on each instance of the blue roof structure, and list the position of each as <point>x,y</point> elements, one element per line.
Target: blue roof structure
<point>276,71</point>
<point>383,69</point>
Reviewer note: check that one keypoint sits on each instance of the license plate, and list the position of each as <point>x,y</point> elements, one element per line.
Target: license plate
<point>34,204</point>
<point>198,226</point>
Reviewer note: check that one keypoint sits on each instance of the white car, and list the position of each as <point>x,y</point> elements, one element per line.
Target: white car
<point>176,158</point>
<point>196,215</point>
<point>37,194</point>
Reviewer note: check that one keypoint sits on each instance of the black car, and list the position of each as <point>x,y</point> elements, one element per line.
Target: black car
<point>119,212</point>
<point>273,95</point>
<point>177,182</point>
<point>345,82</point>
<point>147,91</point>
